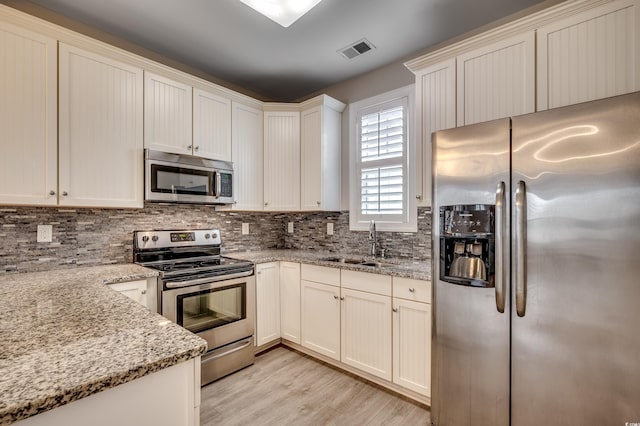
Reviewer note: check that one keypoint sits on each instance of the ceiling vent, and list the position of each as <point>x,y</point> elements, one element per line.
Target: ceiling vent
<point>358,48</point>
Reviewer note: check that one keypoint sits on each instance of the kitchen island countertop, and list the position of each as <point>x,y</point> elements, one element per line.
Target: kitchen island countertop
<point>66,335</point>
<point>406,268</point>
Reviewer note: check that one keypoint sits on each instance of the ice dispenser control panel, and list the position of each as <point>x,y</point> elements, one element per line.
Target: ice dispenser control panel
<point>467,244</point>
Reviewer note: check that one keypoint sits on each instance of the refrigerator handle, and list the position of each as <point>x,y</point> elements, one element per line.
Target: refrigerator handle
<point>521,247</point>
<point>500,224</point>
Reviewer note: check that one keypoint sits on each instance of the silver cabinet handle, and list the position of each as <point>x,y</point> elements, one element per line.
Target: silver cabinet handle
<point>394,309</point>
<point>335,297</point>
<point>521,247</point>
<point>500,224</point>
<point>412,290</point>
<point>65,193</point>
<point>52,192</point>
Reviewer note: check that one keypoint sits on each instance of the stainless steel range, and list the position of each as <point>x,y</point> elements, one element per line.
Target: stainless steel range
<point>208,294</point>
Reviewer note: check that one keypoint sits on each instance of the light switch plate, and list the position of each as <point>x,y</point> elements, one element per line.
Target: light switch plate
<point>290,227</point>
<point>329,228</point>
<point>245,229</point>
<point>45,234</point>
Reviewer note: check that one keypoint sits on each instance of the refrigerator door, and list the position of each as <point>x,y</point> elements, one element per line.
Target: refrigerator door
<point>576,349</point>
<point>470,355</point>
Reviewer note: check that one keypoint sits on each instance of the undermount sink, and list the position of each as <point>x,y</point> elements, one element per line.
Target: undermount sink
<point>360,262</point>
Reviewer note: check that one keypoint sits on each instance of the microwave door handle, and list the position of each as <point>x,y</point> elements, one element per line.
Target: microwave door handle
<point>218,184</point>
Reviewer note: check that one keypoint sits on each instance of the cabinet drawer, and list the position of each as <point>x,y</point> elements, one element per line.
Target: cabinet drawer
<point>321,274</point>
<point>410,289</point>
<point>365,281</point>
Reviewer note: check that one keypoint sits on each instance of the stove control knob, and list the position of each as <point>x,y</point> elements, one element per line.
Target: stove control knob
<point>214,235</point>
<point>154,238</point>
<point>145,238</point>
<point>207,236</point>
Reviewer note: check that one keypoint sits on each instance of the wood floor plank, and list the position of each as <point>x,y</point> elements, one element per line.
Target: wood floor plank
<point>285,387</point>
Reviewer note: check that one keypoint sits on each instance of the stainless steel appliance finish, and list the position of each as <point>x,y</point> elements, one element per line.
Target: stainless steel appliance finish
<point>566,348</point>
<point>206,293</point>
<point>187,179</point>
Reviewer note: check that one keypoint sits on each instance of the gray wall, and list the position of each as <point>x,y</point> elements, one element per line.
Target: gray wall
<point>83,237</point>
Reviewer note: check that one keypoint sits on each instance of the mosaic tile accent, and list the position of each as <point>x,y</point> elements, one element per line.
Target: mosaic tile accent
<point>87,237</point>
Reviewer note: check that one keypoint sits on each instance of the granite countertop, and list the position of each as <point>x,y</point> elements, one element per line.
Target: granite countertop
<point>420,270</point>
<point>65,335</point>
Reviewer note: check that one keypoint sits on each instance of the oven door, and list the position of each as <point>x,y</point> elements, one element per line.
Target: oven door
<point>221,312</point>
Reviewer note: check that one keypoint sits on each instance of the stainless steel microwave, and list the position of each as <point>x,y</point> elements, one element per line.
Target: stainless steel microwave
<point>187,179</point>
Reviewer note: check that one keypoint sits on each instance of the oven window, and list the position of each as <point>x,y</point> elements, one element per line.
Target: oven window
<point>212,308</point>
<point>176,180</point>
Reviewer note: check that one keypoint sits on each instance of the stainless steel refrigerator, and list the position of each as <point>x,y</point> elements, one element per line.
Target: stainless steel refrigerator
<point>537,268</point>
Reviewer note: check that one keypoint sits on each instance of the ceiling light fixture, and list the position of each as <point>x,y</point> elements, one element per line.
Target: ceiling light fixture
<point>284,12</point>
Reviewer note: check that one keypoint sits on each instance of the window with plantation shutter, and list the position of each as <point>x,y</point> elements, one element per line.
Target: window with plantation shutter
<point>380,191</point>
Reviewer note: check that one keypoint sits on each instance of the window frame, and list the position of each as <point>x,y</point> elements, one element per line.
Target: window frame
<point>407,220</point>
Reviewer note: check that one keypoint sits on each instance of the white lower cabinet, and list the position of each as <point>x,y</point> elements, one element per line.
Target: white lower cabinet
<point>267,303</point>
<point>412,345</point>
<point>321,318</point>
<point>290,301</point>
<point>134,290</point>
<point>366,332</point>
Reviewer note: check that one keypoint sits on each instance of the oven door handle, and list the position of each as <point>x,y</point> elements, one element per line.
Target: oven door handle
<point>178,284</point>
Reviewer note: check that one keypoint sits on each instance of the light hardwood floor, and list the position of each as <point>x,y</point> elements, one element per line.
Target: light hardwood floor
<point>285,387</point>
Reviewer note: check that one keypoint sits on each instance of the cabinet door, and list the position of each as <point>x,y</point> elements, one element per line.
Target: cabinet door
<point>435,110</point>
<point>134,290</point>
<point>247,156</point>
<point>28,117</point>
<point>281,161</point>
<point>497,80</point>
<point>366,332</point>
<point>290,301</point>
<point>211,125</point>
<point>267,303</point>
<point>320,139</point>
<point>321,318</point>
<point>167,115</point>
<point>591,55</point>
<point>101,145</point>
<point>412,345</point>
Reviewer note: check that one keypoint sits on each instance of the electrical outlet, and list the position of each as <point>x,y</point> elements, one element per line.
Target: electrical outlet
<point>290,227</point>
<point>245,229</point>
<point>45,234</point>
<point>329,228</point>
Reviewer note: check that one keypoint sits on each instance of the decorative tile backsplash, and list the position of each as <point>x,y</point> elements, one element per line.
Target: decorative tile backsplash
<point>83,237</point>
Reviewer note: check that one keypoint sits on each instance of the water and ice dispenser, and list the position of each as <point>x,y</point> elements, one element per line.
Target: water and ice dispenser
<point>467,244</point>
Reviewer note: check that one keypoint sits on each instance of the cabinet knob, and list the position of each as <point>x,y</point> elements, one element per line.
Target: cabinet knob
<point>143,292</point>
<point>395,309</point>
<point>335,297</point>
<point>318,203</point>
<point>418,197</point>
<point>412,290</point>
<point>342,298</point>
<point>189,147</point>
<point>65,193</point>
<point>266,204</point>
<point>196,148</point>
<point>52,192</point>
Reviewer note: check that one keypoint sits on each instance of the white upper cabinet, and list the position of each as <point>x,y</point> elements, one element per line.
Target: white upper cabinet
<point>435,110</point>
<point>101,123</point>
<point>167,115</point>
<point>590,55</point>
<point>247,156</point>
<point>320,154</point>
<point>211,125</point>
<point>281,160</point>
<point>497,80</point>
<point>28,117</point>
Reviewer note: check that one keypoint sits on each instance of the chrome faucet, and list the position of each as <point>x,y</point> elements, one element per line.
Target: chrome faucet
<point>373,238</point>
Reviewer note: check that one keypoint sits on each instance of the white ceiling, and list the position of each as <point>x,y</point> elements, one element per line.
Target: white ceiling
<point>232,42</point>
